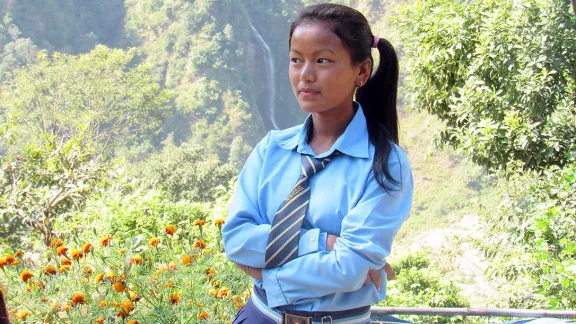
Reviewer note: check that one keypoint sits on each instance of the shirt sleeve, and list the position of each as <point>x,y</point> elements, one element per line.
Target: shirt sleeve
<point>365,241</point>
<point>245,233</point>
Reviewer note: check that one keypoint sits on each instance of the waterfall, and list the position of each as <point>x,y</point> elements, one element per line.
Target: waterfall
<point>266,106</point>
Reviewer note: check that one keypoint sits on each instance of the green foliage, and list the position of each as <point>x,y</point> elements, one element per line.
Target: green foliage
<point>46,183</point>
<point>117,104</point>
<point>186,173</point>
<point>420,284</point>
<point>14,50</point>
<point>500,75</point>
<point>532,238</point>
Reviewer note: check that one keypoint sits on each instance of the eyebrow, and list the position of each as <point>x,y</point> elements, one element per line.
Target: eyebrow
<point>316,52</point>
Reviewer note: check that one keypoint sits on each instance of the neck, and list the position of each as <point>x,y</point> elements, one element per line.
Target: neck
<point>328,126</point>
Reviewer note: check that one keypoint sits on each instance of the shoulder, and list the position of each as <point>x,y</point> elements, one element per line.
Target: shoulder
<point>285,138</point>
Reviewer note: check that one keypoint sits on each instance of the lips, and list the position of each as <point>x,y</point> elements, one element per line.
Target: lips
<point>308,91</point>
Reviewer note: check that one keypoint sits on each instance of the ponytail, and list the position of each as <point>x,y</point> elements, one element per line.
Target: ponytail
<point>378,95</point>
<point>378,99</point>
<point>3,311</point>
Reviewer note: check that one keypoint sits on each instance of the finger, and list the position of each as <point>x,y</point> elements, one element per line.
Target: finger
<point>375,276</point>
<point>389,271</point>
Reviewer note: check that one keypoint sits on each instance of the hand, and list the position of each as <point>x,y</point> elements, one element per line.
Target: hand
<point>255,273</point>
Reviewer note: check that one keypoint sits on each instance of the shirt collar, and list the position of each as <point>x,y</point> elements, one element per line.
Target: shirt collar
<point>354,141</point>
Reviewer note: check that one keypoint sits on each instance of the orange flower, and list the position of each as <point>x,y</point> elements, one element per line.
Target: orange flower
<point>104,241</point>
<point>66,262</point>
<point>3,263</point>
<point>10,258</point>
<point>66,307</point>
<point>78,298</point>
<point>119,286</point>
<point>136,259</point>
<point>219,221</point>
<point>175,298</point>
<point>132,322</point>
<point>134,296</point>
<point>61,250</point>
<point>222,292</point>
<point>170,229</point>
<point>64,268</point>
<point>50,269</point>
<point>200,244</point>
<point>199,222</point>
<point>87,248</point>
<point>210,272</point>
<point>99,320</point>
<point>99,278</point>
<point>85,281</point>
<point>103,304</point>
<point>26,275</point>
<point>153,242</point>
<point>15,263</point>
<point>76,254</point>
<point>55,243</point>
<point>123,250</point>
<point>172,265</point>
<point>88,269</point>
<point>186,260</point>
<point>17,254</point>
<point>203,315</point>
<point>124,309</point>
<point>22,314</point>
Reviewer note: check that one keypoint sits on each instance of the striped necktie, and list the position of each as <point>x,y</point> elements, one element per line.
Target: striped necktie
<point>283,240</point>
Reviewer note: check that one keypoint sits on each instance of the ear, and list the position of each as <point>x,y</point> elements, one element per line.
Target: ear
<point>364,70</point>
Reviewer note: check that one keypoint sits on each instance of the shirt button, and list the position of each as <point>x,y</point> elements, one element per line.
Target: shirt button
<point>312,239</point>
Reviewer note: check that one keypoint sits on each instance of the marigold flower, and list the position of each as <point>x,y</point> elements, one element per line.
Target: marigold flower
<point>153,242</point>
<point>104,241</point>
<point>26,275</point>
<point>99,320</point>
<point>125,308</point>
<point>239,304</point>
<point>136,259</point>
<point>103,304</point>
<point>86,248</point>
<point>3,263</point>
<point>203,315</point>
<point>61,250</point>
<point>186,260</point>
<point>17,254</point>
<point>134,296</point>
<point>15,263</point>
<point>56,243</point>
<point>219,221</point>
<point>246,294</point>
<point>64,268</point>
<point>22,314</point>
<point>172,265</point>
<point>66,307</point>
<point>210,272</point>
<point>119,286</point>
<point>132,322</point>
<point>76,254</point>
<point>222,292</point>
<point>175,298</point>
<point>99,278</point>
<point>200,244</point>
<point>66,262</point>
<point>78,298</point>
<point>110,276</point>
<point>169,284</point>
<point>199,222</point>
<point>123,250</point>
<point>170,229</point>
<point>10,258</point>
<point>88,269</point>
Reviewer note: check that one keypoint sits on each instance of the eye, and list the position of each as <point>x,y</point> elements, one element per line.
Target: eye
<point>295,60</point>
<point>323,60</point>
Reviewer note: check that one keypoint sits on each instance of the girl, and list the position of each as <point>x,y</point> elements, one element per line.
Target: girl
<point>317,206</point>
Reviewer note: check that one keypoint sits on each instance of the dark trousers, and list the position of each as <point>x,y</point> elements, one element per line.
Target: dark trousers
<point>249,314</point>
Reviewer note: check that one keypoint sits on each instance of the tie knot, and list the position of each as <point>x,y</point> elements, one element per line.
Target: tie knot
<point>311,166</point>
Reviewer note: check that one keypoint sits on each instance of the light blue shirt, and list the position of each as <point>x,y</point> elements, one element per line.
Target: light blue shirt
<point>345,200</point>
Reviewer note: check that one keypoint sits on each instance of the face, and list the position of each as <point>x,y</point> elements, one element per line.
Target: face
<point>321,71</point>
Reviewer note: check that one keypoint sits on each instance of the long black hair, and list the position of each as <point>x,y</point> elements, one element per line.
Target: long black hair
<point>378,95</point>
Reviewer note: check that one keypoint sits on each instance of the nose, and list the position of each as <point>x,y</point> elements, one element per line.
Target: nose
<point>308,74</point>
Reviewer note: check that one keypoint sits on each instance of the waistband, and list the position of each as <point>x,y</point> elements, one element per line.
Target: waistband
<point>351,316</point>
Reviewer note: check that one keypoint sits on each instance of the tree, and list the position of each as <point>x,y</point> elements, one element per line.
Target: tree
<point>117,104</point>
<point>500,74</point>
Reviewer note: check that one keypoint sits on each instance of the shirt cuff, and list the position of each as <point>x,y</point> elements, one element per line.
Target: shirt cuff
<point>274,293</point>
<point>311,241</point>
